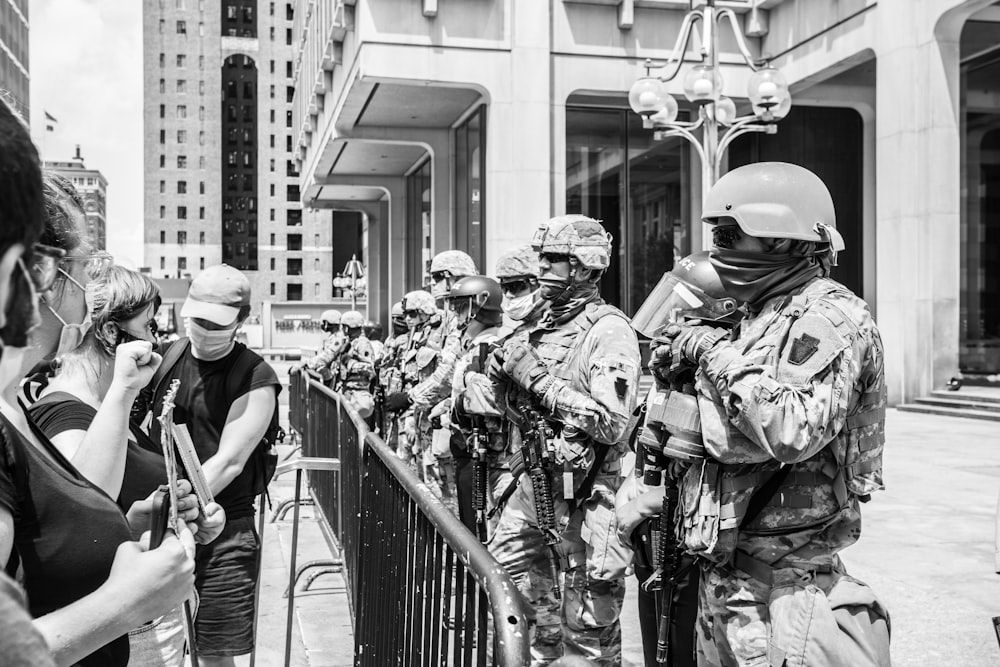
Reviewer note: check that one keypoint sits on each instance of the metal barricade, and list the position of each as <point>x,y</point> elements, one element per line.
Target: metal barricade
<point>423,589</point>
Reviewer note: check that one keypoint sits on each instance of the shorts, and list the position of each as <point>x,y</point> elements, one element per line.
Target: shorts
<point>226,574</point>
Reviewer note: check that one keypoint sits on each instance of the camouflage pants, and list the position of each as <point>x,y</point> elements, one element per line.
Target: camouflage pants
<point>592,561</point>
<point>731,629</point>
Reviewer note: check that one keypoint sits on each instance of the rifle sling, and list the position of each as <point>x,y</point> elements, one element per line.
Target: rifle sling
<point>583,492</point>
<point>762,496</point>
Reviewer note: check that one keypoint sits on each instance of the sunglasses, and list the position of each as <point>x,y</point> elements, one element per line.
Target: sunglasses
<point>724,236</point>
<point>516,286</point>
<point>553,257</point>
<point>438,276</point>
<point>411,313</point>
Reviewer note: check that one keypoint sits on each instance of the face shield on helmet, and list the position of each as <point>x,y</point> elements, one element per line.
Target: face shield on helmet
<point>674,300</point>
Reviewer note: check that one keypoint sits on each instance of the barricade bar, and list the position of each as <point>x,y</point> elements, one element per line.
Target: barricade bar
<point>423,589</point>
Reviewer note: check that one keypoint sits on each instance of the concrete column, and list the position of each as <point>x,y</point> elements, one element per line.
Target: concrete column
<point>919,200</point>
<point>519,135</point>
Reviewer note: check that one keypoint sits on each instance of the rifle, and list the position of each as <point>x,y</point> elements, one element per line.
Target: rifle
<point>537,450</point>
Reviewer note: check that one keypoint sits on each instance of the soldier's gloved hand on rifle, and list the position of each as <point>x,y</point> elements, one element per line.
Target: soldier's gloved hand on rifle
<point>660,362</point>
<point>689,342</point>
<point>523,366</point>
<point>397,402</point>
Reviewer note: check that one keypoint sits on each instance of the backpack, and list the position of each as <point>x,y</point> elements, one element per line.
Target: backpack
<point>264,460</point>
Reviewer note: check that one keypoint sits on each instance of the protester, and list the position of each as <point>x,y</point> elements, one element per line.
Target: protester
<point>228,401</point>
<point>86,587</point>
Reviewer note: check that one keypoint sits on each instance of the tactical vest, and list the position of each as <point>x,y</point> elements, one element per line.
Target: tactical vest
<point>715,497</point>
<point>420,357</point>
<point>560,348</point>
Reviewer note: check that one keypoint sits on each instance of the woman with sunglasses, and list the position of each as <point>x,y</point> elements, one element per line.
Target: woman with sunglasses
<point>88,584</point>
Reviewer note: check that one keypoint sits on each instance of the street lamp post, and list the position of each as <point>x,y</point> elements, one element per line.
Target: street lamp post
<point>717,120</point>
<point>354,271</point>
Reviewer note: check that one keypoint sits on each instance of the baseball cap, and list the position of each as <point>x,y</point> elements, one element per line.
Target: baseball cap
<point>217,294</point>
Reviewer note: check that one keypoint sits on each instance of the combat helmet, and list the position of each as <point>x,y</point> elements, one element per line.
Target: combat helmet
<point>692,290</point>
<point>521,262</point>
<point>352,319</point>
<point>455,262</point>
<point>330,317</point>
<point>372,329</point>
<point>421,301</point>
<point>577,236</point>
<point>483,296</point>
<point>775,200</point>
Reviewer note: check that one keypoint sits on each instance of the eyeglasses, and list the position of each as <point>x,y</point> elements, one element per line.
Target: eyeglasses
<point>553,257</point>
<point>438,276</point>
<point>45,266</point>
<point>96,264</point>
<point>516,286</point>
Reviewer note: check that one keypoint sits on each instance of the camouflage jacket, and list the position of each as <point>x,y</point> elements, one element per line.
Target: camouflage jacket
<point>594,359</point>
<point>333,345</point>
<point>437,385</point>
<point>800,383</point>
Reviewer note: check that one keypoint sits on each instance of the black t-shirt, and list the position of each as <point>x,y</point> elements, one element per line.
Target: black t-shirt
<point>144,466</point>
<point>203,400</point>
<point>66,530</point>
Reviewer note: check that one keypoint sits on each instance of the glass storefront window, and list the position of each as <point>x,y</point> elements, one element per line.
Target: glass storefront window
<point>638,187</point>
<point>470,187</point>
<point>979,352</point>
<point>418,224</point>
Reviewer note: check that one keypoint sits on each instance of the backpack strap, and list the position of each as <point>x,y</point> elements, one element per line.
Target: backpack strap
<point>171,357</point>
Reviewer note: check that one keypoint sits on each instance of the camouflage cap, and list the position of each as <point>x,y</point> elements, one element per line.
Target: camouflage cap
<point>455,262</point>
<point>575,235</point>
<point>420,300</point>
<point>521,262</point>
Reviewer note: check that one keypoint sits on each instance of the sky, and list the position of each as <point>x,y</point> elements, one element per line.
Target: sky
<point>86,71</point>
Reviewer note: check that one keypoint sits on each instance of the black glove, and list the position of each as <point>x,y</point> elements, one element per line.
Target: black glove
<point>436,422</point>
<point>397,402</point>
<point>523,366</point>
<point>689,343</point>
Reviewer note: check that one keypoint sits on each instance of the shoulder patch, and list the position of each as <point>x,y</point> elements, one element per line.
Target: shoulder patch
<point>813,343</point>
<point>803,347</point>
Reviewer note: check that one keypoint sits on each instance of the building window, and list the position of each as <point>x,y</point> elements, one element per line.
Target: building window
<point>201,216</point>
<point>201,87</point>
<point>272,33</point>
<point>201,62</point>
<point>316,290</point>
<point>272,189</point>
<point>201,263</point>
<point>289,93</point>
<point>182,136</point>
<point>163,86</point>
<point>182,238</point>
<point>163,260</point>
<point>163,60</point>
<point>182,214</point>
<point>288,36</point>
<point>182,187</point>
<point>182,263</point>
<point>288,143</point>
<point>201,162</point>
<point>163,187</point>
<point>273,262</point>
<point>163,235</point>
<point>470,186</point>
<point>272,215</point>
<point>295,218</point>
<point>179,4</point>
<point>272,289</point>
<point>316,259</point>
<point>182,162</point>
<point>288,69</point>
<point>181,60</point>
<point>272,164</point>
<point>292,192</point>
<point>163,137</point>
<point>163,111</point>
<point>182,111</point>
<point>272,67</point>
<point>288,120</point>
<point>295,242</point>
<point>289,12</point>
<point>182,28</point>
<point>272,91</point>
<point>162,25</point>
<point>201,141</point>
<point>163,161</point>
<point>293,292</point>
<point>181,85</point>
<point>201,238</point>
<point>272,115</point>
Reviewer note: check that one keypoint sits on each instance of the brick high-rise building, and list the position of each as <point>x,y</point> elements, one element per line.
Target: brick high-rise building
<point>93,188</point>
<point>14,52</point>
<point>220,178</point>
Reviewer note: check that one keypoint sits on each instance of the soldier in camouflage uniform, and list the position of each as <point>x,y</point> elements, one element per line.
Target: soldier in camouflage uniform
<point>324,361</point>
<point>580,368</point>
<point>446,269</point>
<point>356,368</point>
<point>419,361</point>
<point>388,368</point>
<point>792,408</point>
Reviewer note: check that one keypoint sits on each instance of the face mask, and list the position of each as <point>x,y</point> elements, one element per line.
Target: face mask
<point>520,307</point>
<point>755,277</point>
<point>72,335</point>
<point>209,344</point>
<point>22,314</point>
